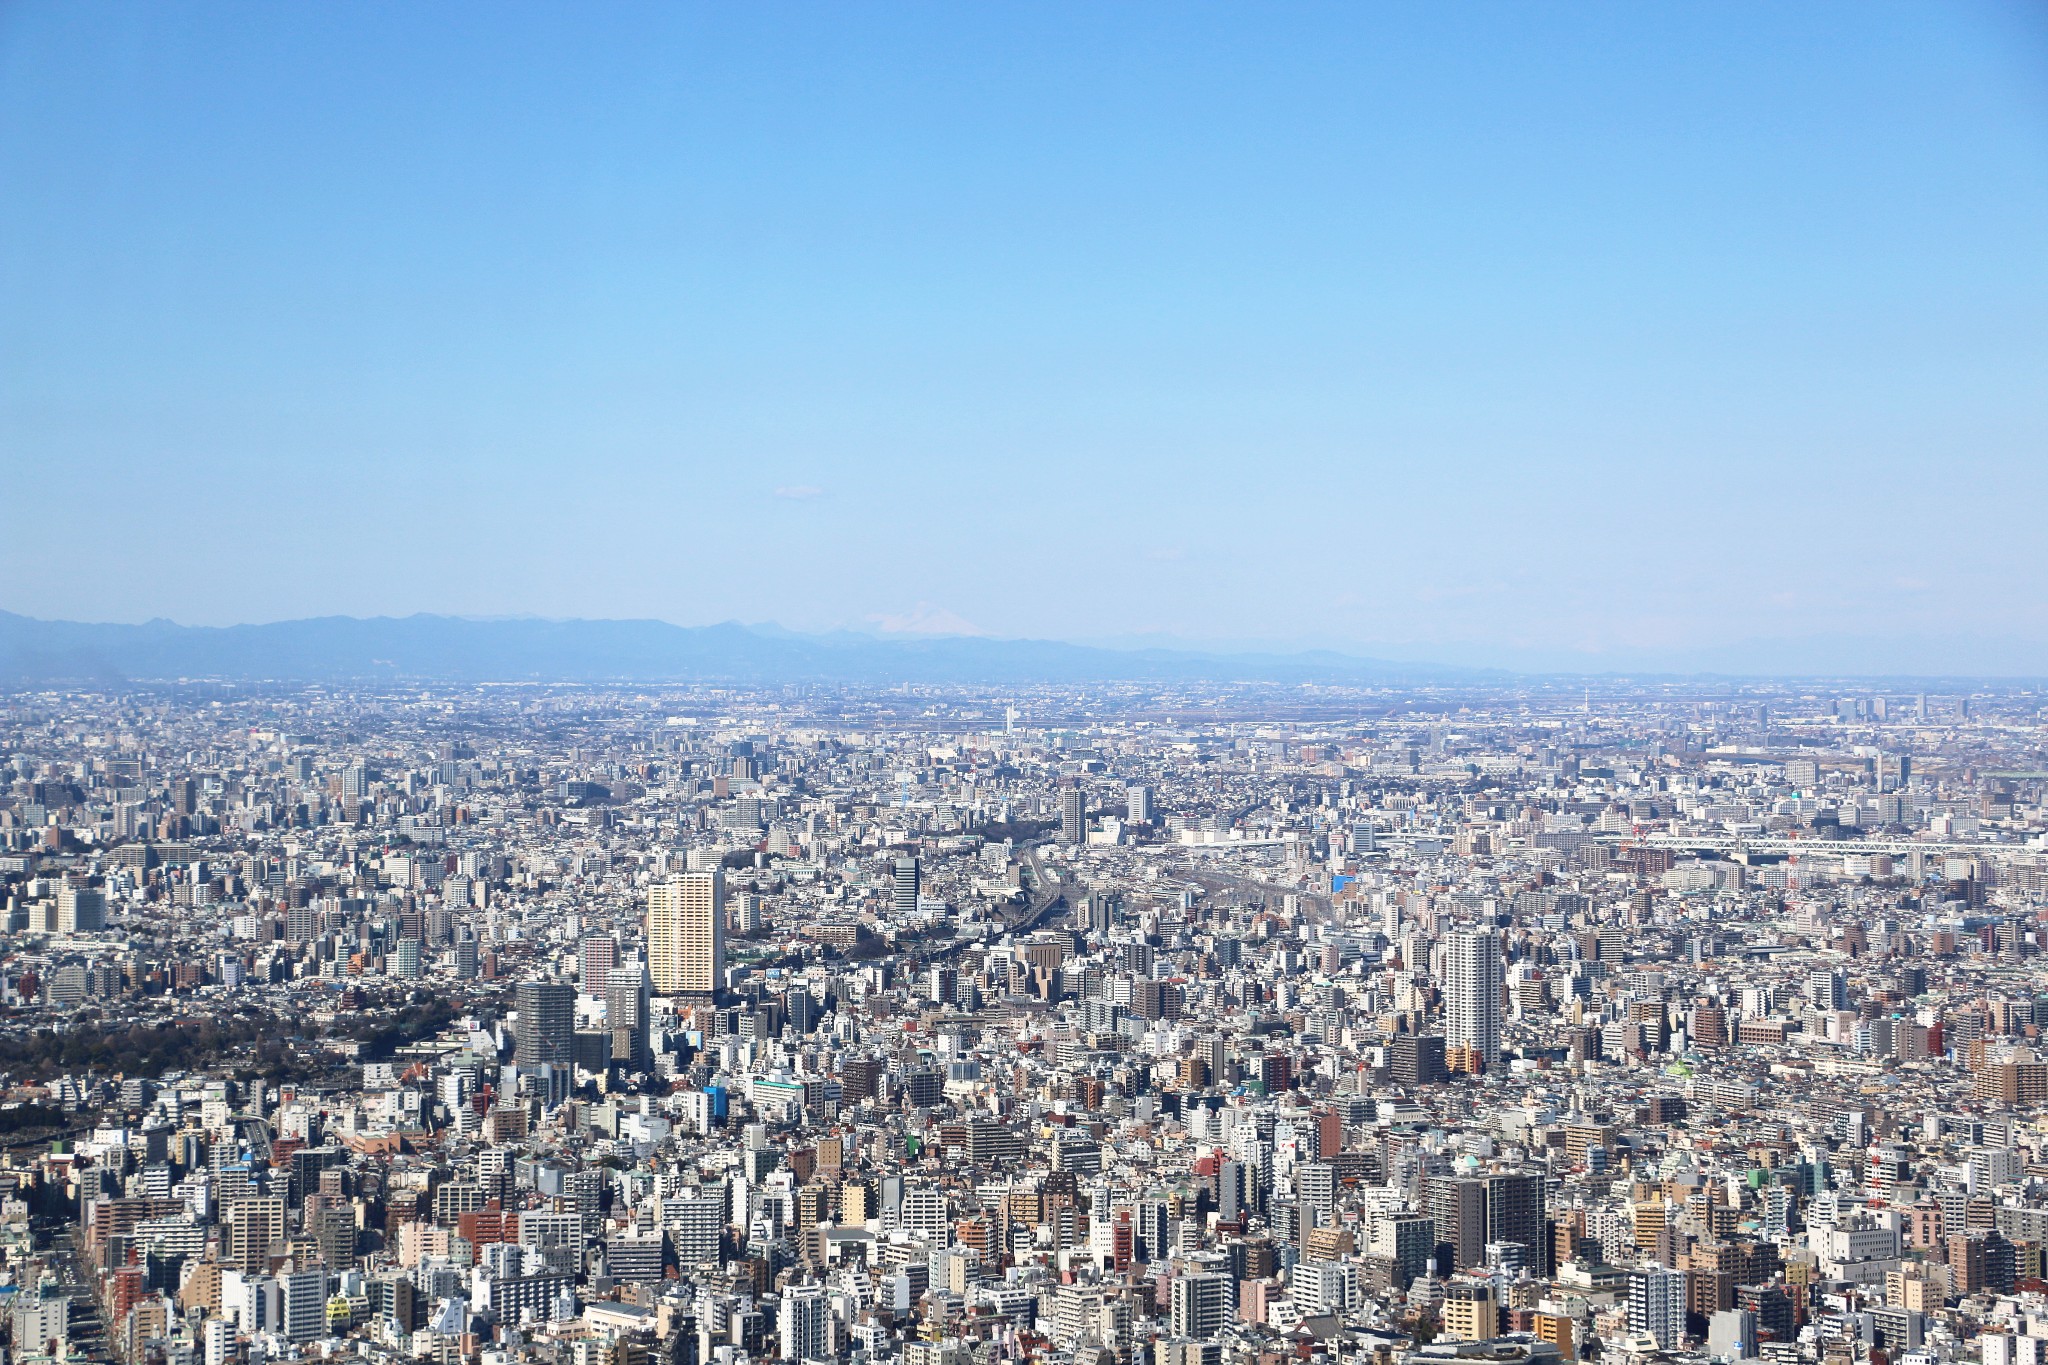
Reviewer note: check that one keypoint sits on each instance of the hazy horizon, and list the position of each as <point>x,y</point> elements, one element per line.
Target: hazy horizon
<point>1576,336</point>
<point>1790,660</point>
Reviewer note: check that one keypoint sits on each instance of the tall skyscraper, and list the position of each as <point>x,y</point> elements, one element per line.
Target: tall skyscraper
<point>1138,804</point>
<point>547,1024</point>
<point>598,954</point>
<point>904,899</point>
<point>1457,1205</point>
<point>627,1012</point>
<point>686,934</point>
<point>1073,815</point>
<point>1472,993</point>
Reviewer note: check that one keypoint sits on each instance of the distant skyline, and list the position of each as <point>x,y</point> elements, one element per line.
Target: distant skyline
<point>1534,336</point>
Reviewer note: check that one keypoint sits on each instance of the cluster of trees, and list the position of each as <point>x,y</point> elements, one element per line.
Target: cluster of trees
<point>28,1117</point>
<point>135,1049</point>
<point>382,1035</point>
<point>252,1044</point>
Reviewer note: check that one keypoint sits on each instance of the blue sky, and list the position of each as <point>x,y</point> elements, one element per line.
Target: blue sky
<point>1502,333</point>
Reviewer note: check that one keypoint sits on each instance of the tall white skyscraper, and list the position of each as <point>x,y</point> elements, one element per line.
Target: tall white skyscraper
<point>686,934</point>
<point>1472,993</point>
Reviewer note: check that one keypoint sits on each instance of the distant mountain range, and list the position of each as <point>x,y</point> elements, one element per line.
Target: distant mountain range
<point>346,649</point>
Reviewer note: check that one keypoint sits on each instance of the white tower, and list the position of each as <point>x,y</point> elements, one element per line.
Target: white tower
<point>1472,993</point>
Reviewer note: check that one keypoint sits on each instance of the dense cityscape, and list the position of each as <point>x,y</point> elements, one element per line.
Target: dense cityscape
<point>1024,683</point>
<point>1118,1025</point>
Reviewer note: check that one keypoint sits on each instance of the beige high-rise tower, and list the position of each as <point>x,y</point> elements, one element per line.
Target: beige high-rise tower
<point>686,934</point>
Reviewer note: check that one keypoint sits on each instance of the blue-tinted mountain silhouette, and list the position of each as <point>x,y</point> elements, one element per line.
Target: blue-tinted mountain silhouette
<point>460,649</point>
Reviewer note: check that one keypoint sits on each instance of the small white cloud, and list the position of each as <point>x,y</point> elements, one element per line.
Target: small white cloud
<point>924,619</point>
<point>799,492</point>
